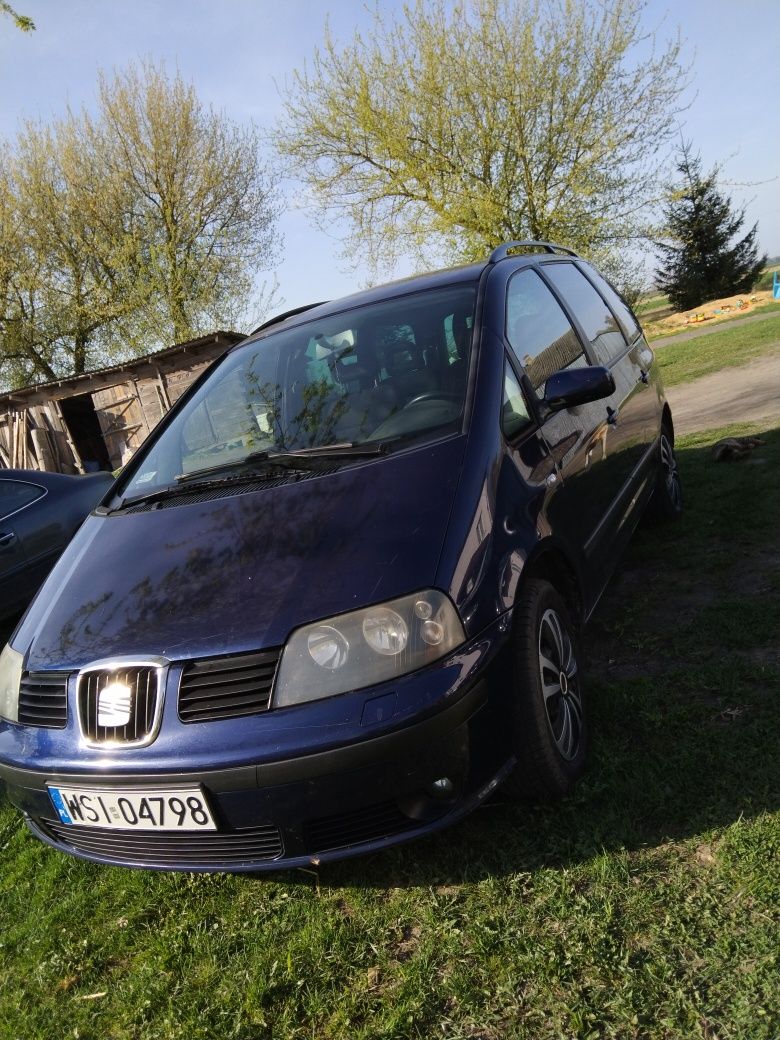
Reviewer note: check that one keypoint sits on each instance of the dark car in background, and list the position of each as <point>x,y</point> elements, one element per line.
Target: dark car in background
<point>39,514</point>
<point>338,596</point>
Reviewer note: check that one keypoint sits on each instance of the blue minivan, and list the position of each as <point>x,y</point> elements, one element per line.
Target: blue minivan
<point>338,596</point>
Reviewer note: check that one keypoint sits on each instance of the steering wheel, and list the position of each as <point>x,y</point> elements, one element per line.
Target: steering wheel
<point>433,395</point>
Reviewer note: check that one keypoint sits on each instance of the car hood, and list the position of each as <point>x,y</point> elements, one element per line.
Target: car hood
<point>241,572</point>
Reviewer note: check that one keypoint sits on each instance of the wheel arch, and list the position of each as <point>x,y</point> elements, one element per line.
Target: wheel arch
<point>551,563</point>
<point>666,419</point>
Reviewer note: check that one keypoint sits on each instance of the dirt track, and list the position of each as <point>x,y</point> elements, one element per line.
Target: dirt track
<point>748,393</point>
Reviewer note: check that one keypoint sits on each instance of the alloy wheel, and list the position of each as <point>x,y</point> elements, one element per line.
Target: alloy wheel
<point>560,685</point>
<point>670,473</point>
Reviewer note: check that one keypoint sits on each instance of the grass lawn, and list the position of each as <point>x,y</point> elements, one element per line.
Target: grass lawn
<point>724,348</point>
<point>645,906</point>
<point>654,332</point>
<point>651,303</point>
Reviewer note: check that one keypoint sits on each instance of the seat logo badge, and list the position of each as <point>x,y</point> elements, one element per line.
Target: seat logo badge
<point>114,703</point>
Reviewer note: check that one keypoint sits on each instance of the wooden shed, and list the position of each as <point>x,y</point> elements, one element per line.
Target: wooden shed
<point>97,420</point>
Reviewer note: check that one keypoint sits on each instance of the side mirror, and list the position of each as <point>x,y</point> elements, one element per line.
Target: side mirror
<point>573,386</point>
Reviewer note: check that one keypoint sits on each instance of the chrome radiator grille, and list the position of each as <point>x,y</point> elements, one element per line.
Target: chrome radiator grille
<point>120,705</point>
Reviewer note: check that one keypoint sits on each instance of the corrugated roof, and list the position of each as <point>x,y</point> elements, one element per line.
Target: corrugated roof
<point>157,356</point>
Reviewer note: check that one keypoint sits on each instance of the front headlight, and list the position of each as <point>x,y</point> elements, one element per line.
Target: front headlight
<point>10,677</point>
<point>366,647</point>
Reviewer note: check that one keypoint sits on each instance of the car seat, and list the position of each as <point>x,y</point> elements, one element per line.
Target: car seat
<point>407,372</point>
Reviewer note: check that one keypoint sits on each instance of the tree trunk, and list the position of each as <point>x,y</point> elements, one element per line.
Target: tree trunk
<point>80,353</point>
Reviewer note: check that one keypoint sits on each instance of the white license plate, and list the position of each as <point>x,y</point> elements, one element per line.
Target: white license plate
<point>163,809</point>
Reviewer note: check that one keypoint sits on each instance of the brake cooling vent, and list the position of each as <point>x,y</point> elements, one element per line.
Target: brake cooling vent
<point>43,699</point>
<point>227,687</point>
<point>365,824</point>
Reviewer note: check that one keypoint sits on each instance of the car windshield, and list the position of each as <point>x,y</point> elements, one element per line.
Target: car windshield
<point>380,373</point>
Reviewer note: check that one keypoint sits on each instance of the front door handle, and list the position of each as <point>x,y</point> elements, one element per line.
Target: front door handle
<point>6,539</point>
<point>643,377</point>
<point>612,416</point>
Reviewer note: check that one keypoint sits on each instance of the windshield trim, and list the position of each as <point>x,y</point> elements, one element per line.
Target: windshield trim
<point>310,319</point>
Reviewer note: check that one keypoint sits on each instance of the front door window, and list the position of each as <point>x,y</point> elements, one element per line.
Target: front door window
<point>538,331</point>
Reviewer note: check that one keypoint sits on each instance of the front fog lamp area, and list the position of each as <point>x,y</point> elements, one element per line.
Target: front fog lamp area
<point>365,647</point>
<point>10,677</point>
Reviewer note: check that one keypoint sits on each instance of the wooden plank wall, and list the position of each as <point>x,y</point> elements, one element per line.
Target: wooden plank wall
<point>36,437</point>
<point>176,382</point>
<point>122,420</point>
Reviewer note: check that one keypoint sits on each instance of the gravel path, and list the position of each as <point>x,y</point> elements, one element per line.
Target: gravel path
<point>747,393</point>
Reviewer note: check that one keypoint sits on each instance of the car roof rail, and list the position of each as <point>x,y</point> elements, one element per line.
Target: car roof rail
<point>287,314</point>
<point>516,248</point>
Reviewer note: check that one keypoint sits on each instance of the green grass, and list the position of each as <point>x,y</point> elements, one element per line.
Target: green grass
<point>645,906</point>
<point>656,332</point>
<point>724,348</point>
<point>766,279</point>
<point>651,303</point>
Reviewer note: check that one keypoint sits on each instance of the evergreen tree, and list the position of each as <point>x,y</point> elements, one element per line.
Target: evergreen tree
<point>699,262</point>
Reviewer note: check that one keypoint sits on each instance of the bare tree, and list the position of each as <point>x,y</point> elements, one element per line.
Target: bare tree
<point>453,127</point>
<point>75,268</point>
<point>23,355</point>
<point>204,203</point>
<point>143,224</point>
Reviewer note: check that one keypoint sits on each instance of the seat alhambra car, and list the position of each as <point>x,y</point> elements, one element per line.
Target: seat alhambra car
<point>337,597</point>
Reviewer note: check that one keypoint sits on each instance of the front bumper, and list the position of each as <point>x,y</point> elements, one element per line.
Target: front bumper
<point>296,809</point>
<point>274,816</point>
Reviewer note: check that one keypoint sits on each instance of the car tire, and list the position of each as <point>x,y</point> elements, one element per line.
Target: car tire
<point>549,724</point>
<point>666,503</point>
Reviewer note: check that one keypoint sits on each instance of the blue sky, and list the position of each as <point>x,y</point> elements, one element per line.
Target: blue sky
<point>235,50</point>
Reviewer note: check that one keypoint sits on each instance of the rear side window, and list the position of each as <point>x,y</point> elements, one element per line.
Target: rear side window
<point>619,306</point>
<point>597,320</point>
<point>538,331</point>
<point>16,495</point>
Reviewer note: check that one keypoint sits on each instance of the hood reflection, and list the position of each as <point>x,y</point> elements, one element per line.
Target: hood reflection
<point>241,572</point>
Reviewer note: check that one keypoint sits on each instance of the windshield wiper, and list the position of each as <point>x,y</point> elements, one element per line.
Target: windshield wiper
<point>166,491</point>
<point>184,487</point>
<point>300,458</point>
<point>345,449</point>
<point>255,463</point>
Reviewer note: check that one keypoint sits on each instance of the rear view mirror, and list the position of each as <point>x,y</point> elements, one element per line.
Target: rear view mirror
<point>573,386</point>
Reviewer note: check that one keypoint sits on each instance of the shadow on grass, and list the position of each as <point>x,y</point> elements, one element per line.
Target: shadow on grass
<point>684,675</point>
